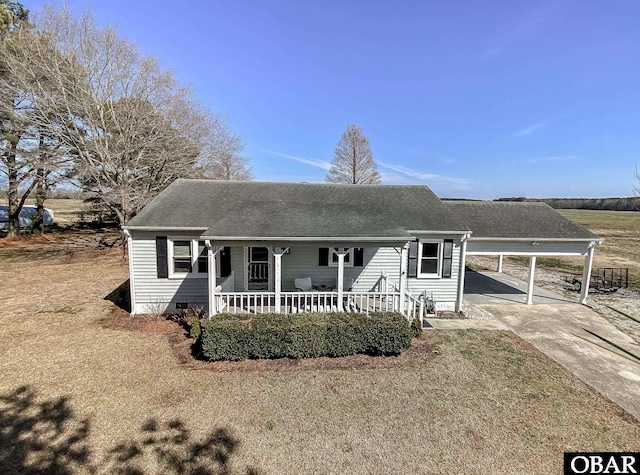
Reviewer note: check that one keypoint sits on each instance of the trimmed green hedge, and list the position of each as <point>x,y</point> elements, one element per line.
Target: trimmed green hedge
<point>304,335</point>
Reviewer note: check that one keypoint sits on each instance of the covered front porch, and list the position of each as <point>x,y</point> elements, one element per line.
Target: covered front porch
<point>348,280</point>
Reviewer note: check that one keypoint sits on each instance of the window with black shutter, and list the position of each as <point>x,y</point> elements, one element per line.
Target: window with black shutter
<point>447,258</point>
<point>413,259</point>
<point>162,264</point>
<point>358,256</point>
<point>323,256</point>
<point>430,258</point>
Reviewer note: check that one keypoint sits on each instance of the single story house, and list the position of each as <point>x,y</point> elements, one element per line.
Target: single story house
<point>289,247</point>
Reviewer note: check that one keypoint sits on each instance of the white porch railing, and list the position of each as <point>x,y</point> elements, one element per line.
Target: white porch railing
<point>356,302</point>
<point>385,284</point>
<point>245,302</point>
<point>296,302</point>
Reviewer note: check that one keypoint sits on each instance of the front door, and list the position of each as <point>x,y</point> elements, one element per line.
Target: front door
<point>258,268</point>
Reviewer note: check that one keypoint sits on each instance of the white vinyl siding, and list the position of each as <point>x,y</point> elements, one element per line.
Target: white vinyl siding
<point>302,261</point>
<point>152,293</point>
<point>238,267</point>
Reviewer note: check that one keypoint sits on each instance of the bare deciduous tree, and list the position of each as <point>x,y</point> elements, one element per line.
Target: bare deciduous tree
<point>221,155</point>
<point>29,156</point>
<point>353,162</point>
<point>130,127</point>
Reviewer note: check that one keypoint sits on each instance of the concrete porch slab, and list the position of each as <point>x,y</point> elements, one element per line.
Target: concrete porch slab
<point>495,288</point>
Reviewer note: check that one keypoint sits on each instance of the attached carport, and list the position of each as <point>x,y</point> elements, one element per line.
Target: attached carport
<point>529,229</point>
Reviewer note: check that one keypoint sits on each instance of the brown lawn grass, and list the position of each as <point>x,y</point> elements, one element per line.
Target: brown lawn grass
<point>108,397</point>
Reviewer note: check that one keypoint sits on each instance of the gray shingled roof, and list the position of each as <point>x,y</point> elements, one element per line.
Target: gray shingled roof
<point>516,220</point>
<point>297,210</point>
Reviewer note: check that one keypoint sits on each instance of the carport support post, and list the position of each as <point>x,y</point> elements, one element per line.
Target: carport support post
<point>500,258</point>
<point>532,271</point>
<point>404,264</point>
<point>586,274</point>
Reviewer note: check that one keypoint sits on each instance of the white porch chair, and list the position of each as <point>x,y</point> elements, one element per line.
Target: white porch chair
<point>303,284</point>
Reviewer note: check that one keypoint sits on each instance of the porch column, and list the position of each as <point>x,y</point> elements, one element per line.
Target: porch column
<point>211,274</point>
<point>461,272</point>
<point>532,270</point>
<point>277,284</point>
<point>586,274</point>
<point>341,253</point>
<point>404,263</point>
<point>500,258</point>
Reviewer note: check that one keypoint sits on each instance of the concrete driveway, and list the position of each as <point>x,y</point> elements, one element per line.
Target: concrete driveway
<point>569,333</point>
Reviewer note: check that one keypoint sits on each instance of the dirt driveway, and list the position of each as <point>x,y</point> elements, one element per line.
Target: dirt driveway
<point>569,333</point>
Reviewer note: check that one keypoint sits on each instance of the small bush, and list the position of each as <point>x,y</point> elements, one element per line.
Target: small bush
<point>305,335</point>
<point>195,330</point>
<point>416,327</point>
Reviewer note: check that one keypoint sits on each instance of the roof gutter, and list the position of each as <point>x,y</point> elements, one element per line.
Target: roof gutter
<point>424,231</point>
<point>598,240</point>
<point>162,228</point>
<point>308,238</point>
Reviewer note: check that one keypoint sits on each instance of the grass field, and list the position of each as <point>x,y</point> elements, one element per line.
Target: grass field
<point>621,247</point>
<point>80,395</point>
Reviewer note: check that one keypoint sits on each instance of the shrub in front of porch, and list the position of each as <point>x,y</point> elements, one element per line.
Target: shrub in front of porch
<point>304,335</point>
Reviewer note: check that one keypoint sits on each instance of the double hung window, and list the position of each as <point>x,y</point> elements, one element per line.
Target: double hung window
<point>187,258</point>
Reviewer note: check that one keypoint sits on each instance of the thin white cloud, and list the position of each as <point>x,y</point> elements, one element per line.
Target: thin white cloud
<point>408,172</point>
<point>307,161</point>
<point>520,27</point>
<point>495,51</point>
<point>551,158</point>
<point>531,129</point>
<point>407,175</point>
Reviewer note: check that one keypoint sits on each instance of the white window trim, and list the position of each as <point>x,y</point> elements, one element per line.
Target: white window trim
<point>332,252</point>
<point>438,274</point>
<point>194,274</point>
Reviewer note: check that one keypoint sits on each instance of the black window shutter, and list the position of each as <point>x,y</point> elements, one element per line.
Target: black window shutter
<point>447,258</point>
<point>323,256</point>
<point>225,262</point>
<point>358,256</point>
<point>413,259</point>
<point>161,257</point>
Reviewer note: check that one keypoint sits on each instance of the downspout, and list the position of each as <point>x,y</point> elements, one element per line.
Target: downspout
<point>461,271</point>
<point>132,291</point>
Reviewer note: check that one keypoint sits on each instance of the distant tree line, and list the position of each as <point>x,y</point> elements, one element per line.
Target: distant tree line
<point>605,204</point>
<point>81,105</point>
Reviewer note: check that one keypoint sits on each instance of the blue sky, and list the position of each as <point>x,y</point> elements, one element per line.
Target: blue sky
<point>477,99</point>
